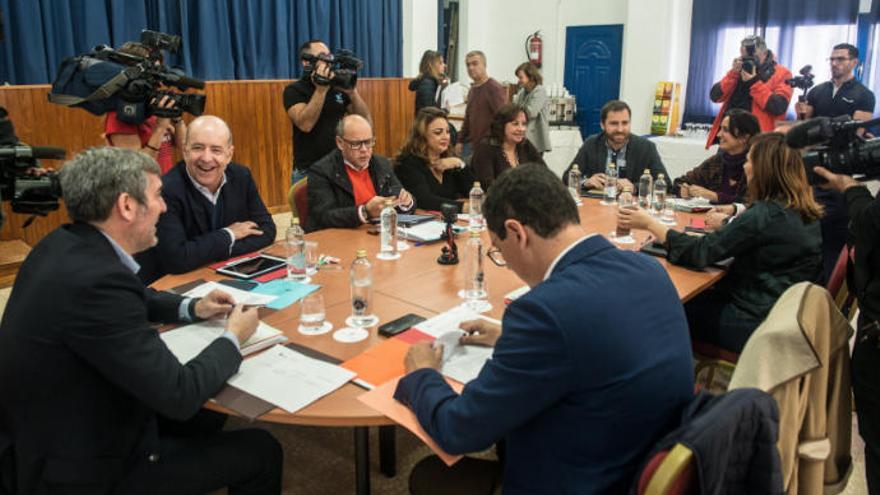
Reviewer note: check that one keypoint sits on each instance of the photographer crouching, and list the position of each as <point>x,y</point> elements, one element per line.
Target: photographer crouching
<point>155,136</point>
<point>864,215</point>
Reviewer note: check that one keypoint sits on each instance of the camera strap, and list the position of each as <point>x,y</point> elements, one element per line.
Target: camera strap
<point>104,91</point>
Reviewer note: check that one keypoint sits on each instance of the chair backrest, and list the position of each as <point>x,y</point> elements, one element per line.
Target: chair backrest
<point>300,200</point>
<point>838,275</point>
<point>669,472</point>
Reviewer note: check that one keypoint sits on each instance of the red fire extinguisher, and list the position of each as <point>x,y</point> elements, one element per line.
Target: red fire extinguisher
<point>534,48</point>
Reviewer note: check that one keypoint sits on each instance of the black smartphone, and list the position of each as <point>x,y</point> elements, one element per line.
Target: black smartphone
<point>399,325</point>
<point>238,284</point>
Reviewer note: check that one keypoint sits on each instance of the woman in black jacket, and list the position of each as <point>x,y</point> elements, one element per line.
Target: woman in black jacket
<point>431,81</point>
<point>775,243</point>
<point>505,147</point>
<point>426,166</point>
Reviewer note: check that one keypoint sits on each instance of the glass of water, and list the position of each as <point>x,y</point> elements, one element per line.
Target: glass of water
<point>312,317</point>
<point>311,258</point>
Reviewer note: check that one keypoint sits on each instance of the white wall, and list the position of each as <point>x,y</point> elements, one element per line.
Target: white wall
<point>419,33</point>
<point>656,41</point>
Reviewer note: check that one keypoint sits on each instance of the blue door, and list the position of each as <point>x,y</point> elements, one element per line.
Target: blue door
<point>592,70</point>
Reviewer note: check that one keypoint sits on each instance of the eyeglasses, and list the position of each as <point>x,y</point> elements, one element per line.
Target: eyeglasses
<point>495,255</point>
<point>357,145</point>
<point>839,59</point>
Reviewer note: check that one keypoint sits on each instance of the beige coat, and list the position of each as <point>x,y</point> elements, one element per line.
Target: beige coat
<point>800,356</point>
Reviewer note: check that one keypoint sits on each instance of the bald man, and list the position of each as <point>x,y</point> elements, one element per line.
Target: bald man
<point>214,209</point>
<point>349,186</point>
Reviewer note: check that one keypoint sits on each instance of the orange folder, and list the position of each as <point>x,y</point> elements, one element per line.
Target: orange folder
<point>379,363</point>
<point>382,399</point>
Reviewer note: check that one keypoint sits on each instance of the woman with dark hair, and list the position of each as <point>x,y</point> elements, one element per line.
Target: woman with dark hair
<point>533,98</point>
<point>505,147</point>
<point>775,243</point>
<point>720,178</point>
<point>426,166</point>
<point>431,81</point>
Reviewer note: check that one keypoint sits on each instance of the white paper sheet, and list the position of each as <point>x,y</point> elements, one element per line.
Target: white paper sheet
<point>188,341</point>
<point>288,379</point>
<point>240,296</point>
<point>461,362</point>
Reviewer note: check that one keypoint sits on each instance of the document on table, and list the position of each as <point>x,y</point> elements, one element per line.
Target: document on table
<point>450,320</point>
<point>188,341</point>
<point>429,231</point>
<point>240,296</point>
<point>288,379</point>
<point>461,362</point>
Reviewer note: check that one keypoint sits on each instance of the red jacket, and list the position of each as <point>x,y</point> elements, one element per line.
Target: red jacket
<point>761,91</point>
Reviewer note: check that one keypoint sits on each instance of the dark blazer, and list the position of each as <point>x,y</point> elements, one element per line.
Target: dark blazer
<point>489,161</point>
<point>331,197</point>
<point>188,238</point>
<point>426,92</point>
<point>641,153</point>
<point>581,383</point>
<point>430,193</point>
<point>83,372</point>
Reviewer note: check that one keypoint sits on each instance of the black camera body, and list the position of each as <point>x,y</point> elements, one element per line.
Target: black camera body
<point>837,147</point>
<point>105,80</point>
<point>804,81</point>
<point>344,65</point>
<point>29,194</point>
<point>749,62</point>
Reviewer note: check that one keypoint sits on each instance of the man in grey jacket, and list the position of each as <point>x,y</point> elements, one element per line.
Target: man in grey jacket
<point>615,144</point>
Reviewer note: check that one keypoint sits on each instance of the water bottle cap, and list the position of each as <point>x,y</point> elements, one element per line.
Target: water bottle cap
<point>659,176</point>
<point>574,166</point>
<point>389,202</point>
<point>647,171</point>
<point>612,165</point>
<point>475,234</point>
<point>476,183</point>
<point>361,253</point>
<point>294,221</point>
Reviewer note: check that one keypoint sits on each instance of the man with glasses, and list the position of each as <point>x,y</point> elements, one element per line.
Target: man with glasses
<point>214,209</point>
<point>349,186</point>
<point>843,94</point>
<point>581,383</point>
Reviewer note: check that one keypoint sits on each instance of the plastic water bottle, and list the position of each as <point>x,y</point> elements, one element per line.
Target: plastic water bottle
<point>475,208</point>
<point>474,278</point>
<point>388,234</point>
<point>645,186</point>
<point>574,183</point>
<point>361,275</point>
<point>610,194</point>
<point>659,199</point>
<point>624,201</point>
<point>295,242</point>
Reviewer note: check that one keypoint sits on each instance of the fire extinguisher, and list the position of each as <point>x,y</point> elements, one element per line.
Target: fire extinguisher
<point>534,48</point>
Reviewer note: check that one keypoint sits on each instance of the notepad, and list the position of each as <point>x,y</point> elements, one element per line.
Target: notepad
<point>189,341</point>
<point>240,296</point>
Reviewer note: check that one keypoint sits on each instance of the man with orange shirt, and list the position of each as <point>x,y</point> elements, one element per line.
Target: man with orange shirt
<point>349,185</point>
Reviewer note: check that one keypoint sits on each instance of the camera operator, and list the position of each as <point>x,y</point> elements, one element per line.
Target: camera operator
<point>155,136</point>
<point>315,108</point>
<point>843,94</point>
<point>754,83</point>
<point>864,216</point>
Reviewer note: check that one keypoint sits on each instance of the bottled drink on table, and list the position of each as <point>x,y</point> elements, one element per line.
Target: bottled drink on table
<point>624,201</point>
<point>610,192</point>
<point>361,277</point>
<point>388,233</point>
<point>645,189</point>
<point>659,199</point>
<point>574,183</point>
<point>295,243</point>
<point>475,207</point>
<point>474,291</point>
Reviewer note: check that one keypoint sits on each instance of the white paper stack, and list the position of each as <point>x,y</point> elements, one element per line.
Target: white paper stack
<point>188,341</point>
<point>288,379</point>
<point>461,362</point>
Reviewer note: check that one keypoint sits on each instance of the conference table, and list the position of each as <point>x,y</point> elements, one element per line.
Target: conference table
<point>415,283</point>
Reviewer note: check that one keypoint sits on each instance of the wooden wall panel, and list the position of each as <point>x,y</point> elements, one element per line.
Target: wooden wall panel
<point>253,109</point>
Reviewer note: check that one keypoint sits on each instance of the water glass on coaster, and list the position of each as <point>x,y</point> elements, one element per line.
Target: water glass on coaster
<point>312,315</point>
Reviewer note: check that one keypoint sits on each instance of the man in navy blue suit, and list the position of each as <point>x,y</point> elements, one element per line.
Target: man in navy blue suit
<point>582,382</point>
<point>214,209</point>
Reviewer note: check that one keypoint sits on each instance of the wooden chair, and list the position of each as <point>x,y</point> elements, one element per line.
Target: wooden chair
<point>298,199</point>
<point>669,472</point>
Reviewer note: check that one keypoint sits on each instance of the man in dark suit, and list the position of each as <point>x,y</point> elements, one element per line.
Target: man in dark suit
<point>581,383</point>
<point>349,186</point>
<point>631,154</point>
<point>84,374</point>
<point>214,209</point>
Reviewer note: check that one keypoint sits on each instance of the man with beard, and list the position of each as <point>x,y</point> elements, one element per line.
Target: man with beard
<point>615,144</point>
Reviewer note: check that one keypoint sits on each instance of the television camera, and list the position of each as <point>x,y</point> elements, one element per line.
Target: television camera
<point>344,65</point>
<point>837,146</point>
